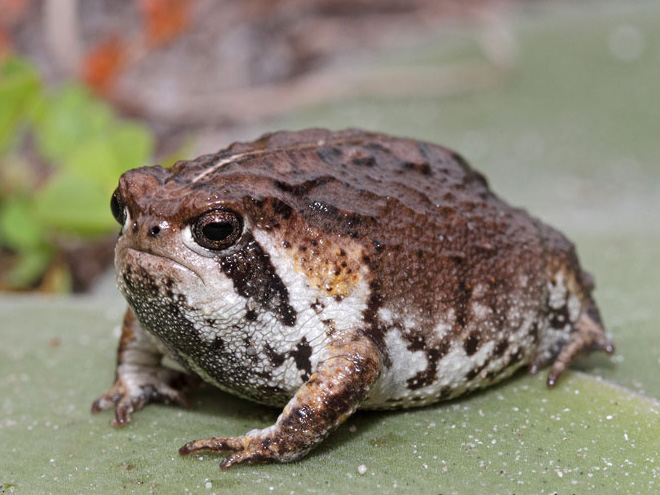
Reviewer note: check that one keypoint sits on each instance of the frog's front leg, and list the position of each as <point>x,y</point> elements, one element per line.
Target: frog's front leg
<point>140,377</point>
<point>333,392</point>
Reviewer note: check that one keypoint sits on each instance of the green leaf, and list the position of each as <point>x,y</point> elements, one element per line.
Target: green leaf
<point>29,268</point>
<point>19,89</point>
<point>104,158</point>
<point>74,204</point>
<point>68,118</point>
<point>19,228</point>
<point>132,145</point>
<point>95,161</point>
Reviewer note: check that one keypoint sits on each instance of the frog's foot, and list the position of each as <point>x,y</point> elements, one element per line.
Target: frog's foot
<point>588,336</point>
<point>253,447</point>
<point>138,385</point>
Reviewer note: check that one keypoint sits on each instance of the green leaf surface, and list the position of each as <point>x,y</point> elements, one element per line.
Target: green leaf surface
<point>585,436</point>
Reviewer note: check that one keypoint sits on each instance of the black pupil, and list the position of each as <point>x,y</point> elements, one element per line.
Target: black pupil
<point>217,231</point>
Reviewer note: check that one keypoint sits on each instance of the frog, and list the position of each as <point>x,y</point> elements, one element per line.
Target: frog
<point>322,272</point>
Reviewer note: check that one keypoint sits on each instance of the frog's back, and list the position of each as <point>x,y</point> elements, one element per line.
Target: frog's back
<point>354,172</point>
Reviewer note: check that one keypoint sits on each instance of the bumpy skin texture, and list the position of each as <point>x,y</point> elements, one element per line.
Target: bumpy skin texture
<point>360,270</point>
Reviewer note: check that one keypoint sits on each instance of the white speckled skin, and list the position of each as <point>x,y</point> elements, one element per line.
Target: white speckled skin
<point>329,271</point>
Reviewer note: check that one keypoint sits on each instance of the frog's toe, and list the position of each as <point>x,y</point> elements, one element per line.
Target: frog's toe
<point>137,387</point>
<point>588,337</point>
<point>119,398</point>
<point>103,402</point>
<point>248,456</point>
<point>110,398</point>
<point>215,444</point>
<point>123,411</point>
<point>245,449</point>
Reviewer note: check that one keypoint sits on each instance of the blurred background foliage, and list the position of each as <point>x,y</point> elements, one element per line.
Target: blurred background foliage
<point>61,151</point>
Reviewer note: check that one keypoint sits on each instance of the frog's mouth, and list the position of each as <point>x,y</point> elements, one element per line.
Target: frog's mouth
<point>157,265</point>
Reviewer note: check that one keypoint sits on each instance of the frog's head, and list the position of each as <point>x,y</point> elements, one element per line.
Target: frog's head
<point>187,249</point>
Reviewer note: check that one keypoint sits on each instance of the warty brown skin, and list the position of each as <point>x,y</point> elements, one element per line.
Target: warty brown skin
<point>357,270</point>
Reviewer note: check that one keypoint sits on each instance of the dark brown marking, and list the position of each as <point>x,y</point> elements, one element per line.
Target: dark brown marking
<point>559,318</point>
<point>254,277</point>
<point>462,305</point>
<point>329,155</point>
<point>281,208</point>
<point>324,208</point>
<point>303,189</point>
<point>472,343</point>
<point>364,161</point>
<point>433,354</point>
<point>375,330</point>
<point>501,347</point>
<point>301,355</point>
<point>421,167</point>
<point>274,357</point>
<point>445,392</point>
<point>218,344</point>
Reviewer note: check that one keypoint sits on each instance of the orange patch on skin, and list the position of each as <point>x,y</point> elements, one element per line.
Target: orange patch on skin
<point>332,269</point>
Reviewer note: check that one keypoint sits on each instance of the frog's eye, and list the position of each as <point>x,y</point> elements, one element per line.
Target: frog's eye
<point>118,207</point>
<point>217,229</point>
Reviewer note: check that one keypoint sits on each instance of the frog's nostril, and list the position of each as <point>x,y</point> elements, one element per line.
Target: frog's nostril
<point>154,231</point>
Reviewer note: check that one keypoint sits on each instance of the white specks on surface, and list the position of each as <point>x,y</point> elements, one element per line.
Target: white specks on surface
<point>362,469</point>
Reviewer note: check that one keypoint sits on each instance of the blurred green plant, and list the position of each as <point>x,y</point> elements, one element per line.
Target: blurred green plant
<point>61,153</point>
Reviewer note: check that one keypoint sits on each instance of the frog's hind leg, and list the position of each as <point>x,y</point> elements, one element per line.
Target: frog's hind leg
<point>588,336</point>
<point>333,392</point>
